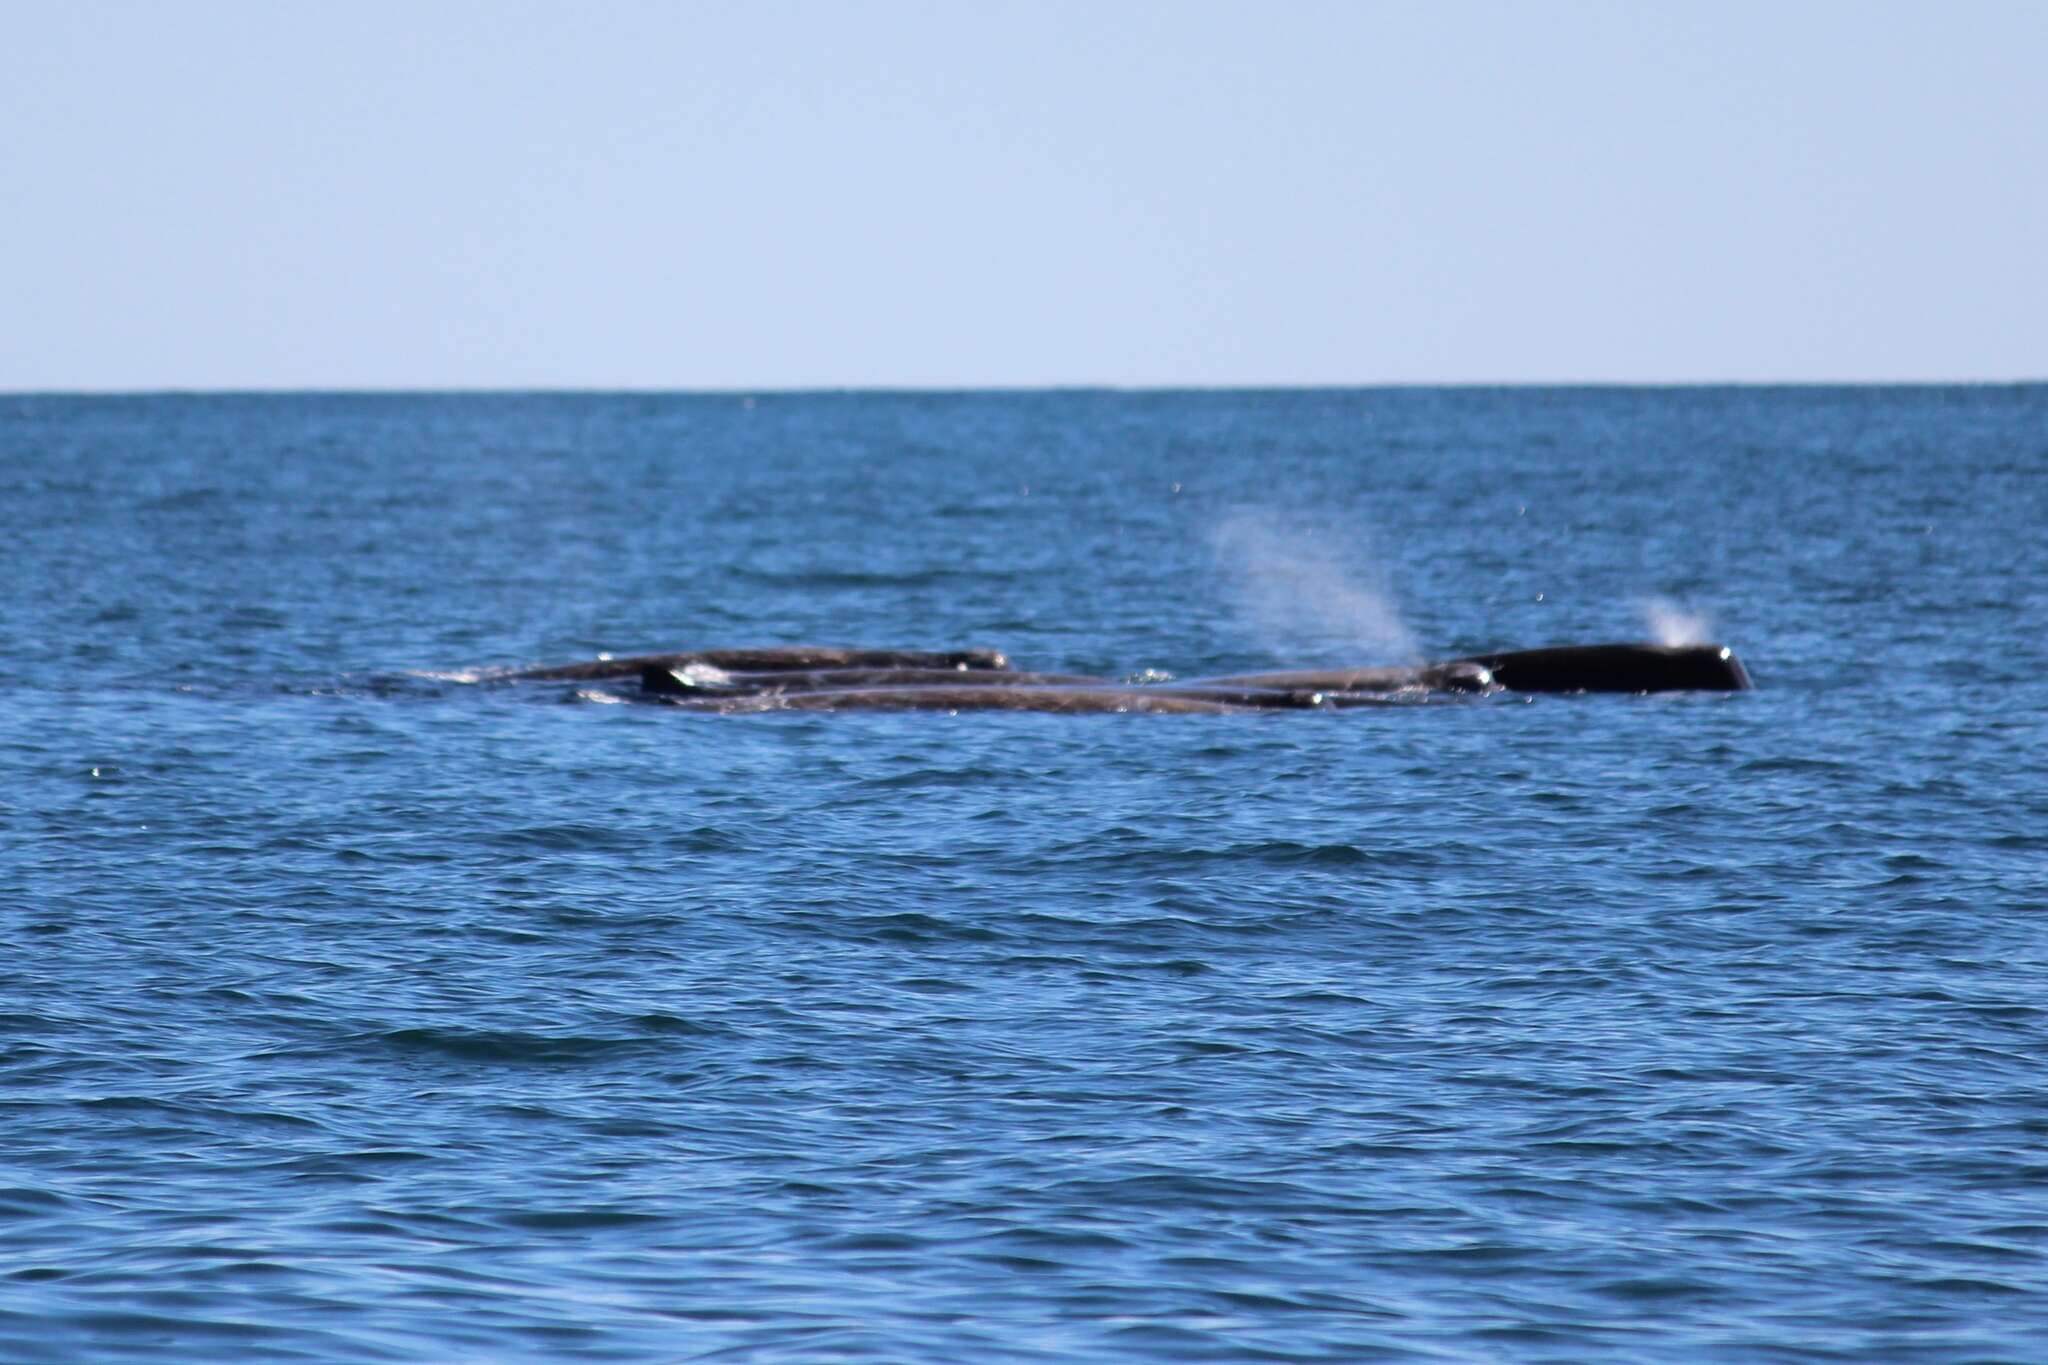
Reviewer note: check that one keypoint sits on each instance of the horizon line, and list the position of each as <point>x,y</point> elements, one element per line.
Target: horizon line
<point>800,390</point>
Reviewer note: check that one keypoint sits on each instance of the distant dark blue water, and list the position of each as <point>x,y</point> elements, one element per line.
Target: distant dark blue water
<point>350,1014</point>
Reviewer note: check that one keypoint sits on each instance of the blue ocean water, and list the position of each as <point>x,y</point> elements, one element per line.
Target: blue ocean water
<point>349,1011</point>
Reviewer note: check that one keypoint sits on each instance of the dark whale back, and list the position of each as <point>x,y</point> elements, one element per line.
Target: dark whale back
<point>680,682</point>
<point>1618,668</point>
<point>771,658</point>
<point>791,669</point>
<point>1058,700</point>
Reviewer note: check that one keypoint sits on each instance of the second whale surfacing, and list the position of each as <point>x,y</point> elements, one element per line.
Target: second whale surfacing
<point>771,658</point>
<point>925,697</point>
<point>697,680</point>
<point>698,687</point>
<point>1461,675</point>
<point>1059,698</point>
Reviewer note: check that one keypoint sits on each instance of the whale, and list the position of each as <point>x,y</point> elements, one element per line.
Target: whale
<point>1639,668</point>
<point>767,659</point>
<point>1459,675</point>
<point>698,680</point>
<point>835,678</point>
<point>852,689</point>
<point>926,690</point>
<point>1617,668</point>
<point>1058,700</point>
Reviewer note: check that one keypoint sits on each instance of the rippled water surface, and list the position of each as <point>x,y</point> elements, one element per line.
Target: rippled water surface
<point>354,1014</point>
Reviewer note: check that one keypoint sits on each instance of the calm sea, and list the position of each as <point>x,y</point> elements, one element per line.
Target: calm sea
<point>350,1012</point>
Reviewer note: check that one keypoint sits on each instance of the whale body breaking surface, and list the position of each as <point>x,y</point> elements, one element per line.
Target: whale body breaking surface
<point>833,678</point>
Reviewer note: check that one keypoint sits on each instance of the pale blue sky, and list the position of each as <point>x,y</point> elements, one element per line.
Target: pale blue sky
<point>439,194</point>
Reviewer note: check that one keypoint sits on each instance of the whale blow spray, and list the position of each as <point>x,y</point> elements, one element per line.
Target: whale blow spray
<point>1671,624</point>
<point>1297,595</point>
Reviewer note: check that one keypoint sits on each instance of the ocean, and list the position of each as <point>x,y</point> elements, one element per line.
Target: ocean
<point>354,1011</point>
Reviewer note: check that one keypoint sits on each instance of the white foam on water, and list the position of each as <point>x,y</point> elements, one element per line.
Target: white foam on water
<point>456,675</point>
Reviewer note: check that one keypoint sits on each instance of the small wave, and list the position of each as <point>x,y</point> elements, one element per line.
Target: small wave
<point>577,1220</point>
<point>675,1026</point>
<point>566,838</point>
<point>825,579</point>
<point>21,1201</point>
<point>937,777</point>
<point>477,1045</point>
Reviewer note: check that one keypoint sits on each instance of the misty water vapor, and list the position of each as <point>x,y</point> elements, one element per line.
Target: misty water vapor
<point>1303,593</point>
<point>1671,623</point>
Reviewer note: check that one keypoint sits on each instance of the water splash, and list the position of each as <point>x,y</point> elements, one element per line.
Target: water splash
<point>1300,596</point>
<point>1671,623</point>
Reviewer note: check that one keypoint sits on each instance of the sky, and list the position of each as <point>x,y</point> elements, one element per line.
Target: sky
<point>438,194</point>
